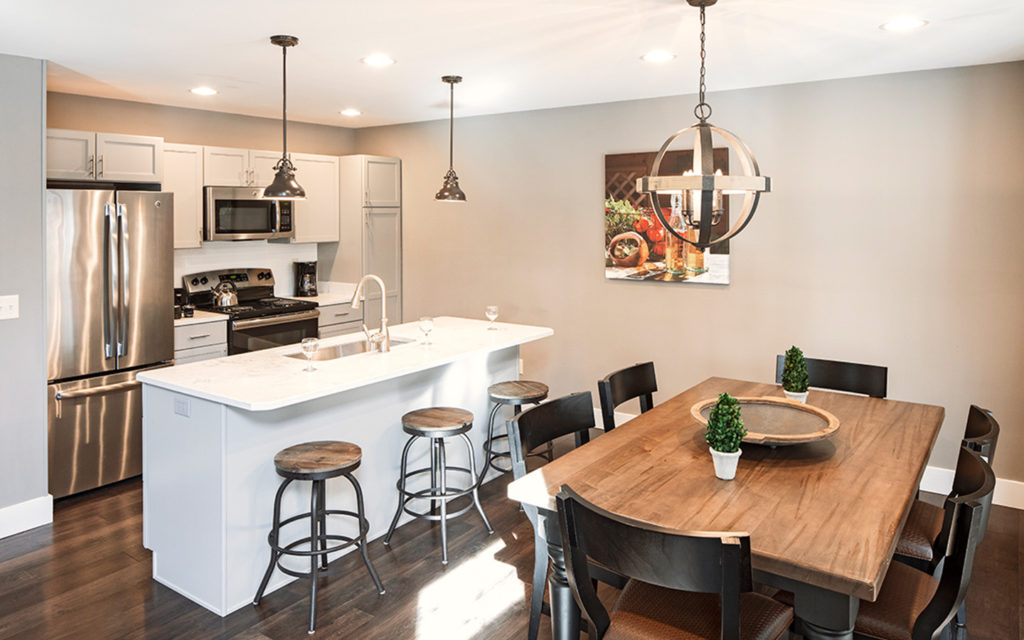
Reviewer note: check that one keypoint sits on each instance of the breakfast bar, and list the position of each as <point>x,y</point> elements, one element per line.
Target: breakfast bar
<point>211,430</point>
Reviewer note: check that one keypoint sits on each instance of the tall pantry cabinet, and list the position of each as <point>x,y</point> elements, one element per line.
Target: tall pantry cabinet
<point>370,233</point>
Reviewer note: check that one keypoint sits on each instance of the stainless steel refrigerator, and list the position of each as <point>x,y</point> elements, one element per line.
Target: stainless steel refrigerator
<point>109,315</point>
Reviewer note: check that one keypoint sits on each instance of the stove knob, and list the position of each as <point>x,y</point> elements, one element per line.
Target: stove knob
<point>266,275</point>
<point>259,276</point>
<point>203,280</point>
<point>195,282</point>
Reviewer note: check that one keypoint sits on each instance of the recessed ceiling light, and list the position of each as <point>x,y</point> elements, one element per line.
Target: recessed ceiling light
<point>351,112</point>
<point>903,23</point>
<point>658,55</point>
<point>204,91</point>
<point>378,60</point>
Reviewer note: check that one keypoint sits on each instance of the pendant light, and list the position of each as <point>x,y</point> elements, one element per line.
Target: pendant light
<point>702,188</point>
<point>450,191</point>
<point>284,186</point>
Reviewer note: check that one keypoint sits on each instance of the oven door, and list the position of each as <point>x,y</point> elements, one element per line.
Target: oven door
<point>253,334</point>
<point>241,213</point>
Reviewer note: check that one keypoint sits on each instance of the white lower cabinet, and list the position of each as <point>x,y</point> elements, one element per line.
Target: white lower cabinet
<point>339,319</point>
<point>195,342</point>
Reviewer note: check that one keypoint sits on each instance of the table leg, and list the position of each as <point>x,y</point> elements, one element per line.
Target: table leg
<point>565,614</point>
<point>821,614</point>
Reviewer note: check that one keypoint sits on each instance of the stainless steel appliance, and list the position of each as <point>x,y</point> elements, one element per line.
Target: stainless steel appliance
<point>259,320</point>
<point>305,279</point>
<point>109,293</point>
<point>242,213</point>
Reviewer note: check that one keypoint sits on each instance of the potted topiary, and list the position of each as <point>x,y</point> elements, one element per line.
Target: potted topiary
<point>794,375</point>
<point>724,433</point>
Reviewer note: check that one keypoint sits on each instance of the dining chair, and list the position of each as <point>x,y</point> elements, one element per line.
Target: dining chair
<point>981,433</point>
<point>913,605</point>
<point>616,388</point>
<point>867,379</point>
<point>683,584</point>
<point>569,415</point>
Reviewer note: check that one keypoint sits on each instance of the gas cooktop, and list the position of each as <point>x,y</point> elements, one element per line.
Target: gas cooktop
<point>255,288</point>
<point>263,307</point>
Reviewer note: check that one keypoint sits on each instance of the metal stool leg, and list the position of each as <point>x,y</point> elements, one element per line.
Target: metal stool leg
<point>314,522</point>
<point>401,490</point>
<point>489,446</point>
<point>475,479</point>
<point>274,542</point>
<point>434,466</point>
<point>364,527</point>
<point>441,468</point>
<point>322,493</point>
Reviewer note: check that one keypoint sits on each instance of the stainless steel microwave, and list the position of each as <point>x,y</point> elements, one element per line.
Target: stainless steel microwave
<point>242,213</point>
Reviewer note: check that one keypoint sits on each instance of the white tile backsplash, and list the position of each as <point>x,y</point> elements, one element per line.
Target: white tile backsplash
<point>277,256</point>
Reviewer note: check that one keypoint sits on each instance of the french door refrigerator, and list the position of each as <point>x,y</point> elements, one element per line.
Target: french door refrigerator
<point>109,315</point>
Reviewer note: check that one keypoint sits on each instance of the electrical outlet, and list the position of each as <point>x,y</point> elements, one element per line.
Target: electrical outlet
<point>8,307</point>
<point>182,407</point>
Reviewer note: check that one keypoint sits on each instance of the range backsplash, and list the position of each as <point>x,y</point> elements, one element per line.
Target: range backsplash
<point>278,256</point>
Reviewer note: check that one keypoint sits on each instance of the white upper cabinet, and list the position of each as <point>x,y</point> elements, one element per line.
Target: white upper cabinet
<point>70,155</point>
<point>262,165</point>
<point>87,155</point>
<point>316,217</point>
<point>382,180</point>
<point>122,158</point>
<point>226,167</point>
<point>183,176</point>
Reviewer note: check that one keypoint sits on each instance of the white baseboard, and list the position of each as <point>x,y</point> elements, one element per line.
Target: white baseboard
<point>26,515</point>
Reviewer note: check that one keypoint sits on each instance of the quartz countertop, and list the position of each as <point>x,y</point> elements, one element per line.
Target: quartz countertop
<point>201,317</point>
<point>324,299</point>
<point>268,379</point>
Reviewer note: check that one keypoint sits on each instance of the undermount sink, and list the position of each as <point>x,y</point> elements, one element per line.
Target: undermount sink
<point>336,351</point>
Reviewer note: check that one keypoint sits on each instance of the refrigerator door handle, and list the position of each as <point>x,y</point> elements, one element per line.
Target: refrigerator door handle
<point>122,218</point>
<point>110,281</point>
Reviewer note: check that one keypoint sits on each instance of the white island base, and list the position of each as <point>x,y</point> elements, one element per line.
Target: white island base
<point>210,435</point>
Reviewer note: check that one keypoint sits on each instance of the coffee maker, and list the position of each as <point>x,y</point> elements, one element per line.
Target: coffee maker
<point>305,279</point>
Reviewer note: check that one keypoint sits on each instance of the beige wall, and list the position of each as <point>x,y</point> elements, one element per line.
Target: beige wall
<point>192,126</point>
<point>892,237</point>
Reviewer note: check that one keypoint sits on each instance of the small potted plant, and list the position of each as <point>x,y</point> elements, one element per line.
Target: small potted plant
<point>724,433</point>
<point>794,375</point>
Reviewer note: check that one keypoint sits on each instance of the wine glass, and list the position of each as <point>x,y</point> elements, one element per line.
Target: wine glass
<point>426,326</point>
<point>310,347</point>
<point>492,314</point>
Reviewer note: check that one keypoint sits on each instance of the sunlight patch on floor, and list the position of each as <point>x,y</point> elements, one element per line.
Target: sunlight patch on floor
<point>467,598</point>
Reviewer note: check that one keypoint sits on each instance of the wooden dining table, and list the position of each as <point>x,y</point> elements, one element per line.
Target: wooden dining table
<point>823,517</point>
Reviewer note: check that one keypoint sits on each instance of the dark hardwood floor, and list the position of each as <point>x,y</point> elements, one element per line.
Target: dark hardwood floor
<point>87,576</point>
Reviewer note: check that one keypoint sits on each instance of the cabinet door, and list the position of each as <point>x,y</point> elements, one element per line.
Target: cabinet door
<point>262,165</point>
<point>183,176</point>
<point>316,217</point>
<point>382,256</point>
<point>70,155</point>
<point>129,158</point>
<point>340,329</point>
<point>225,167</point>
<point>382,182</point>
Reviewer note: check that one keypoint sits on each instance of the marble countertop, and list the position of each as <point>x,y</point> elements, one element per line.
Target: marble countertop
<point>201,317</point>
<point>325,298</point>
<point>266,380</point>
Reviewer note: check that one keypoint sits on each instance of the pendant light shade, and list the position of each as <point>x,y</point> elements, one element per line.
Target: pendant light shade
<point>450,190</point>
<point>284,186</point>
<point>703,189</point>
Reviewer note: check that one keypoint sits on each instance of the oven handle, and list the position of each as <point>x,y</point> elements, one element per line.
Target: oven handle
<point>272,320</point>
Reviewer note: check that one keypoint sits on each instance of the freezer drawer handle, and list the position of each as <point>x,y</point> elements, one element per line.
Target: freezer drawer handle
<point>272,320</point>
<point>94,391</point>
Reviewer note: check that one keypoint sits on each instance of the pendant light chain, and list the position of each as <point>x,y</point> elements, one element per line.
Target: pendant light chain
<point>284,102</point>
<point>703,109</point>
<point>451,126</point>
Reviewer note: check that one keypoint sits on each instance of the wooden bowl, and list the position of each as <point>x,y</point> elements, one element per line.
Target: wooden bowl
<point>776,421</point>
<point>634,259</point>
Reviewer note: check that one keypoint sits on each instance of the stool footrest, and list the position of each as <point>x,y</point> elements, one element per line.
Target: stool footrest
<point>450,493</point>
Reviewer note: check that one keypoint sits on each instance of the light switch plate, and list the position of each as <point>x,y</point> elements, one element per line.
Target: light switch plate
<point>182,407</point>
<point>8,307</point>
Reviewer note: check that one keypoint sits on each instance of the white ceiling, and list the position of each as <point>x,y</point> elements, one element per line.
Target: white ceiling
<point>515,55</point>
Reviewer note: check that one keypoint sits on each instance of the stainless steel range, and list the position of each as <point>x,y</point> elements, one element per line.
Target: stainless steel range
<point>257,319</point>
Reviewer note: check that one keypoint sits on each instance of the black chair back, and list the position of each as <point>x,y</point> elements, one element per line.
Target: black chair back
<point>868,379</point>
<point>970,521</point>
<point>546,422</point>
<point>704,562</point>
<point>637,381</point>
<point>974,482</point>
<point>982,432</point>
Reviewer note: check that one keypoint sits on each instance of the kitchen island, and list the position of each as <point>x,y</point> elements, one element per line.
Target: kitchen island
<point>211,429</point>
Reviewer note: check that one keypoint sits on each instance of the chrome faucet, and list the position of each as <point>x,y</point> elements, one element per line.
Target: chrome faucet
<point>379,340</point>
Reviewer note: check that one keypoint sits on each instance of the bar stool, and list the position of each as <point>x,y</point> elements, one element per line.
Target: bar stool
<point>316,462</point>
<point>515,393</point>
<point>436,424</point>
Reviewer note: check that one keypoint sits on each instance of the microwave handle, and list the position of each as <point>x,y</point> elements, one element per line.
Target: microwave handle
<point>276,217</point>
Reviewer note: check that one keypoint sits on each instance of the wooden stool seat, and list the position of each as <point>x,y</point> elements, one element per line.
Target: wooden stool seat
<point>518,392</point>
<point>437,422</point>
<point>317,460</point>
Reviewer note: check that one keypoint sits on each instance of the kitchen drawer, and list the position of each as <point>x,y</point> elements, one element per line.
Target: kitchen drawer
<point>184,356</point>
<point>200,335</point>
<point>341,329</point>
<point>337,313</point>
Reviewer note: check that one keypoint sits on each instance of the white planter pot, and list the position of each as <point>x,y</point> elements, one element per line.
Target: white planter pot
<point>799,397</point>
<point>725,463</point>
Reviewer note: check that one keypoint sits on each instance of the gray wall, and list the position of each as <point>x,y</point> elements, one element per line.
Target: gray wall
<point>23,373</point>
<point>892,237</point>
